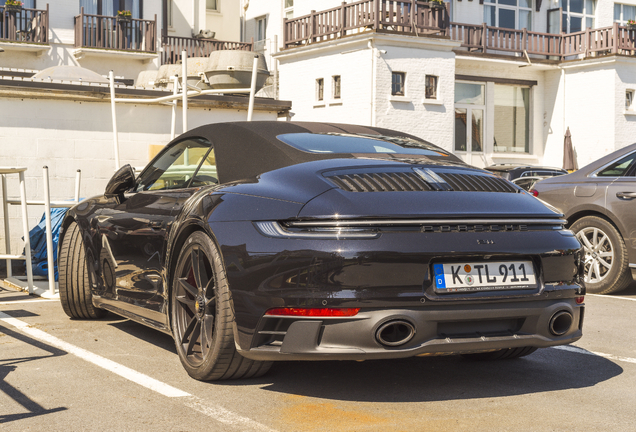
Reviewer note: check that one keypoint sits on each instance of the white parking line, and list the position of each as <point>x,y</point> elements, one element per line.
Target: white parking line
<point>584,351</point>
<point>218,413</point>
<point>613,297</point>
<point>27,301</point>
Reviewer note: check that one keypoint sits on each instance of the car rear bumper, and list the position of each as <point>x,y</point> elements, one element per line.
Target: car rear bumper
<point>438,330</point>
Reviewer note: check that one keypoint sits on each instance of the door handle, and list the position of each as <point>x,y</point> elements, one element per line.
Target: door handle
<point>626,195</point>
<point>159,224</point>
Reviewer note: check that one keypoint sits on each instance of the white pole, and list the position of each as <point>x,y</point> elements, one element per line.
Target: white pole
<point>111,77</point>
<point>25,229</point>
<point>78,179</point>
<point>49,230</point>
<point>184,88</point>
<point>175,92</point>
<point>274,63</point>
<point>5,213</point>
<point>250,109</point>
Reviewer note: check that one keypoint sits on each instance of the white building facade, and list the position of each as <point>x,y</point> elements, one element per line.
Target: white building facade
<point>504,79</point>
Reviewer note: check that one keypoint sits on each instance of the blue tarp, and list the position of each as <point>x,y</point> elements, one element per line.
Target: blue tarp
<point>37,236</point>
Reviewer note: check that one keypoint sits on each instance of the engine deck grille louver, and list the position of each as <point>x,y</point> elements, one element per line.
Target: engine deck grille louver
<point>404,181</point>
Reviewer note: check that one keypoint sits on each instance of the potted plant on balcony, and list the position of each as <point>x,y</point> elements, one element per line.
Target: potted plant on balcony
<point>436,4</point>
<point>631,25</point>
<point>13,6</point>
<point>124,16</point>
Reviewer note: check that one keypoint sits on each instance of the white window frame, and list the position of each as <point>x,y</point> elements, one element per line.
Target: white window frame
<point>621,19</point>
<point>217,9</point>
<point>333,87</point>
<point>629,100</point>
<point>320,89</point>
<point>468,153</point>
<point>261,24</point>
<point>495,4</point>
<point>288,10</point>
<point>436,87</point>
<point>565,5</point>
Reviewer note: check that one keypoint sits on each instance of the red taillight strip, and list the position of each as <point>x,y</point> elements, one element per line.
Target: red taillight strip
<point>580,300</point>
<point>314,312</point>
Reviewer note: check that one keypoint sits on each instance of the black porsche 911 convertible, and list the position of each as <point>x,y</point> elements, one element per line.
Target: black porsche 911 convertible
<point>263,241</point>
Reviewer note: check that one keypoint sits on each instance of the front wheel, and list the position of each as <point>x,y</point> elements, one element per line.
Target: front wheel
<point>606,263</point>
<point>202,316</point>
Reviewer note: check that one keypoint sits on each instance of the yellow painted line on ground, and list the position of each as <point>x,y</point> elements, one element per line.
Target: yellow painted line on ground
<point>600,354</point>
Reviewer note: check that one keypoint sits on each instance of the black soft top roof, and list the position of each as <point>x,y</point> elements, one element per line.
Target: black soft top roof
<point>246,149</point>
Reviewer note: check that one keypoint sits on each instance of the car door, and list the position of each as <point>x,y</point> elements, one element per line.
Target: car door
<point>139,225</point>
<point>620,202</point>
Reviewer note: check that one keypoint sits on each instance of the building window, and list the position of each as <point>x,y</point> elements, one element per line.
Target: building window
<point>289,9</point>
<point>397,84</point>
<point>320,89</point>
<point>261,28</point>
<point>513,14</point>
<point>577,15</point>
<point>629,99</point>
<point>430,86</point>
<point>336,86</point>
<point>212,5</point>
<point>512,119</point>
<point>110,7</point>
<point>624,13</point>
<point>469,117</point>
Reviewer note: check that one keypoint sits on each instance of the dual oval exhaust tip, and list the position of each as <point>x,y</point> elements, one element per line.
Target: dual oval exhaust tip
<point>395,333</point>
<point>398,332</point>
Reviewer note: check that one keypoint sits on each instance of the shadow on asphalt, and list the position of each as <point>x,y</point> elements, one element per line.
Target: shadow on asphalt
<point>437,378</point>
<point>146,334</point>
<point>8,365</point>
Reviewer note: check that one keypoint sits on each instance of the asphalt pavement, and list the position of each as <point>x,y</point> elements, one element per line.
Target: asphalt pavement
<point>58,374</point>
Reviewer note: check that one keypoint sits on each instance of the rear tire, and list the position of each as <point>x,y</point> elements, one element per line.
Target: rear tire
<point>74,283</point>
<point>504,354</point>
<point>606,263</point>
<point>202,317</point>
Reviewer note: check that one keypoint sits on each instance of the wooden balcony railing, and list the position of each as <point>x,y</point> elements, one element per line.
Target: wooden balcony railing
<point>25,25</point>
<point>417,17</point>
<point>401,16</point>
<point>107,32</point>
<point>174,45</point>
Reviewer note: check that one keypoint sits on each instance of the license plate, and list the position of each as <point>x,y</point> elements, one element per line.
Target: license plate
<point>484,276</point>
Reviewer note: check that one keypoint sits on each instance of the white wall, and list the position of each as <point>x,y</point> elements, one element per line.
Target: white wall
<point>625,123</point>
<point>428,121</point>
<point>226,21</point>
<point>298,76</point>
<point>68,135</point>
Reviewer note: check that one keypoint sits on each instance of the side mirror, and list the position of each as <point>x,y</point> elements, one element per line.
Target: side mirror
<point>121,181</point>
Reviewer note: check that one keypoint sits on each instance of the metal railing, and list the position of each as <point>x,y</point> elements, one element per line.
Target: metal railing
<point>173,46</point>
<point>24,25</point>
<point>109,32</point>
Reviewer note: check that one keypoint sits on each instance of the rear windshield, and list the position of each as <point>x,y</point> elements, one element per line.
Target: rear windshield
<point>345,143</point>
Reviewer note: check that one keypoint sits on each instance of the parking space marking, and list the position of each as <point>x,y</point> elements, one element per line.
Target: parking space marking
<point>28,301</point>
<point>214,411</point>
<point>614,297</point>
<point>584,351</point>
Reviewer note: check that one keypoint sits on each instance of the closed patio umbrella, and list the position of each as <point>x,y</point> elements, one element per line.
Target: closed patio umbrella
<point>569,160</point>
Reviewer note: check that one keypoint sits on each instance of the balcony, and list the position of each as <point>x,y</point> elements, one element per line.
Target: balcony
<point>174,45</point>
<point>418,18</point>
<point>26,27</point>
<point>95,33</point>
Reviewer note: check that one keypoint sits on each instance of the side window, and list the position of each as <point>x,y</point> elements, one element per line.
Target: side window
<point>176,166</point>
<point>620,168</point>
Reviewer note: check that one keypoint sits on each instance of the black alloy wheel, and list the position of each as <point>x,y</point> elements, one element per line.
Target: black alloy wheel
<point>202,317</point>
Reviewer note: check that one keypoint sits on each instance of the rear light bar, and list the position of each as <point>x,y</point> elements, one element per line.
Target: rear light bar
<point>580,300</point>
<point>314,312</point>
<point>534,192</point>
